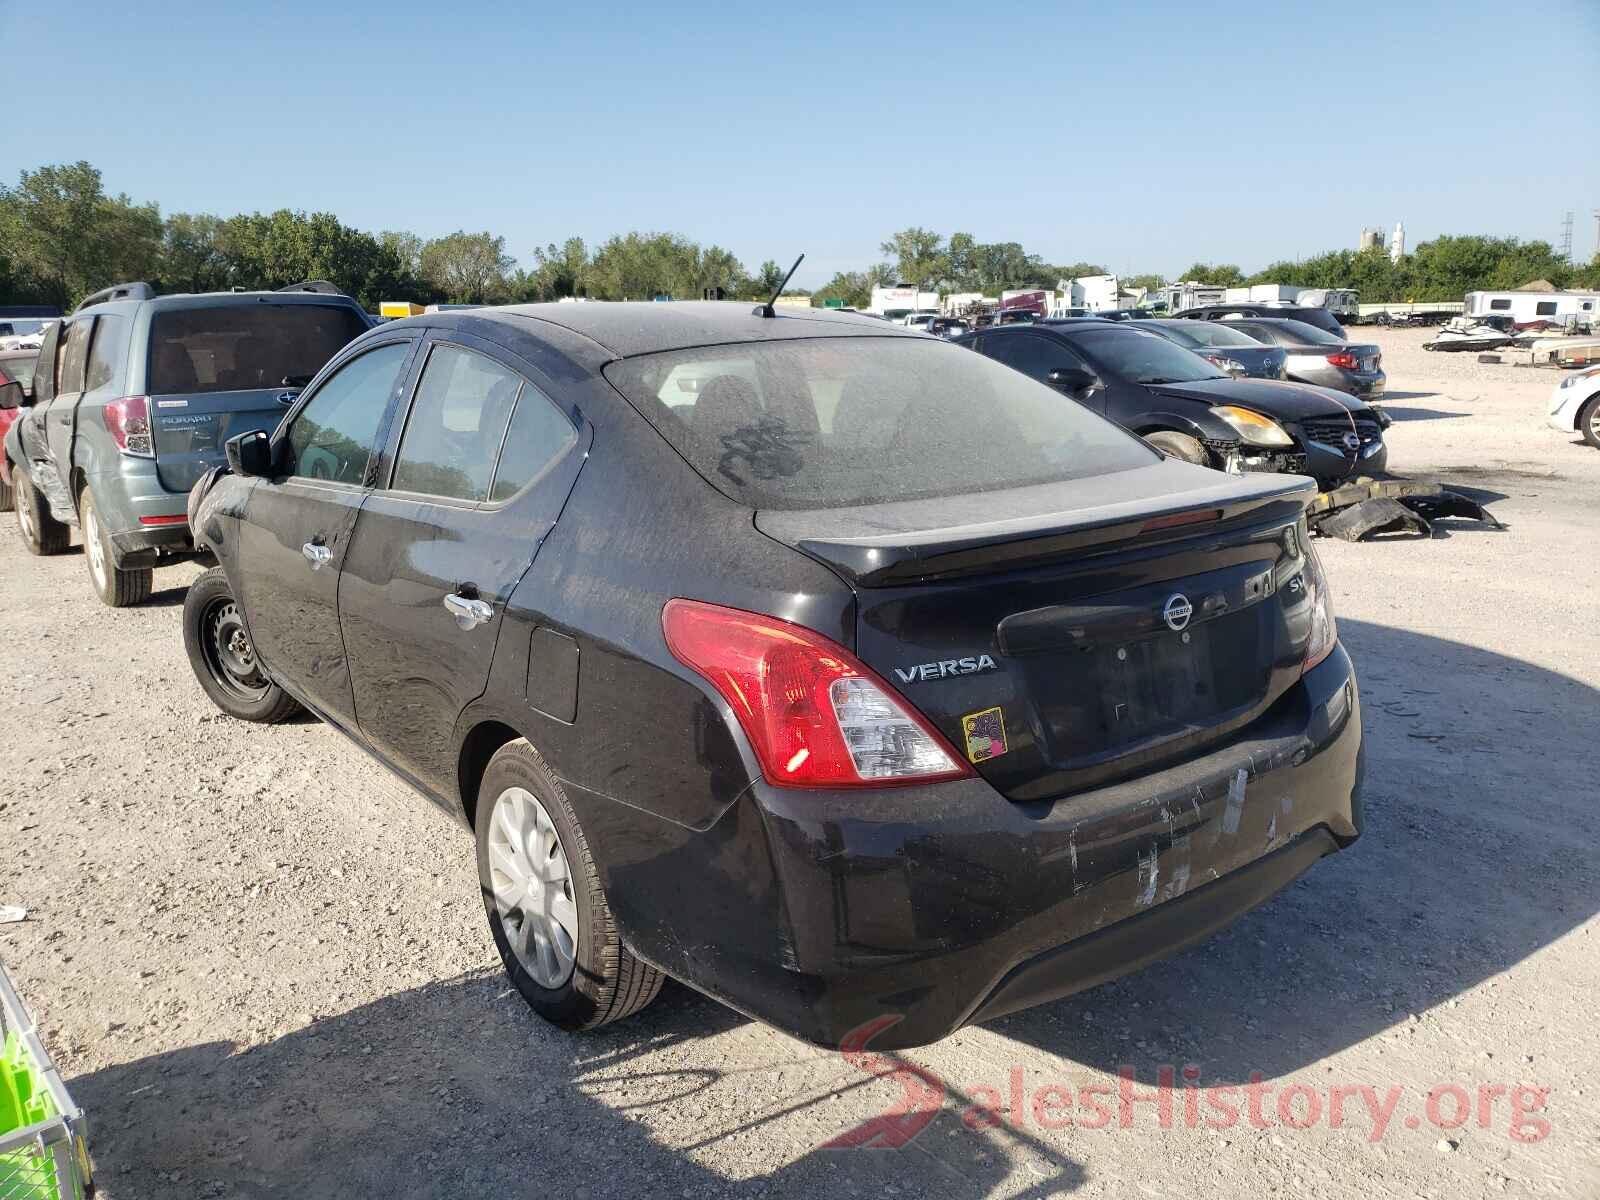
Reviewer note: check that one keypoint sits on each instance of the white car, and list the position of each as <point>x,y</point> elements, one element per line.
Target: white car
<point>1575,405</point>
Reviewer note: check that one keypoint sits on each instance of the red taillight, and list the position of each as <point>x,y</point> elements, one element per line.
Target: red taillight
<point>175,519</point>
<point>1348,362</point>
<point>815,715</point>
<point>128,421</point>
<point>1172,520</point>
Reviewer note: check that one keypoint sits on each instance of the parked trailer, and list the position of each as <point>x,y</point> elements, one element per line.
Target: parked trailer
<point>1422,312</point>
<point>1566,308</point>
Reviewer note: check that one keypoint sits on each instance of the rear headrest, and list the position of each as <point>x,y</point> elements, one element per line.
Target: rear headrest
<point>727,402</point>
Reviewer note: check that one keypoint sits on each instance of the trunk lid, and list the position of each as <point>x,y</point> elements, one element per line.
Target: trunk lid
<point>1046,635</point>
<point>190,431</point>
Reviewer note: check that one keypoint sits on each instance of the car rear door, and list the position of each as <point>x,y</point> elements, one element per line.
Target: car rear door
<point>295,528</point>
<point>217,369</point>
<point>482,466</point>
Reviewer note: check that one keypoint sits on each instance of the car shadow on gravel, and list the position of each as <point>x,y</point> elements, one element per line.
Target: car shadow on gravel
<point>457,1089</point>
<point>170,597</point>
<point>1407,413</point>
<point>1479,850</point>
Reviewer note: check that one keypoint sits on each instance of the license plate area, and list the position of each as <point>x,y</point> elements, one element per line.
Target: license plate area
<point>1157,685</point>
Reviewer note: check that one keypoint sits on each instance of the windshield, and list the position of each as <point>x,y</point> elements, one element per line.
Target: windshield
<point>1203,333</point>
<point>1139,357</point>
<point>828,422</point>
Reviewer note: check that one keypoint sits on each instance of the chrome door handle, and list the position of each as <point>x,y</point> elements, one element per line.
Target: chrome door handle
<point>468,612</point>
<point>317,556</point>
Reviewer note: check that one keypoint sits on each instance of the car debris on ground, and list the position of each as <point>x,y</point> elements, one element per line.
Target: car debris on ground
<point>1370,508</point>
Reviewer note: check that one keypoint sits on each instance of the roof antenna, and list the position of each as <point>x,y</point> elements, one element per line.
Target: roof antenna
<point>766,310</point>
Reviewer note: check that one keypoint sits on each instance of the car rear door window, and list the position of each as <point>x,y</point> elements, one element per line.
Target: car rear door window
<point>540,433</point>
<point>333,436</point>
<point>104,350</point>
<point>457,422</point>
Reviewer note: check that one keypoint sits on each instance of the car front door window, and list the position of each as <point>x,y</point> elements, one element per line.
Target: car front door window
<point>334,435</point>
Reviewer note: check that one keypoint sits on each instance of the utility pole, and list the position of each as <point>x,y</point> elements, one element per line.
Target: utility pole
<point>1566,238</point>
<point>1597,233</point>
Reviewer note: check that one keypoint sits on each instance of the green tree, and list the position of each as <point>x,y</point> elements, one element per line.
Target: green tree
<point>192,255</point>
<point>469,268</point>
<point>766,280</point>
<point>1218,275</point>
<point>919,256</point>
<point>405,246</point>
<point>1150,283</point>
<point>639,266</point>
<point>854,288</point>
<point>70,238</point>
<point>1078,270</point>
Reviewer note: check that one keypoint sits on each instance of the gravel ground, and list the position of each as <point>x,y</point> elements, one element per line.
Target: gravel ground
<point>263,967</point>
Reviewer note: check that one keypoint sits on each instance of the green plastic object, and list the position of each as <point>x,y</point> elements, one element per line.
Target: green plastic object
<point>43,1154</point>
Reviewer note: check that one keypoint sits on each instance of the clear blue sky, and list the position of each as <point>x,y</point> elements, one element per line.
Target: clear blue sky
<point>1143,136</point>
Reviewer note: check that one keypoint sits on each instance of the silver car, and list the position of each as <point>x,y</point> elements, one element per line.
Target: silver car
<point>1316,356</point>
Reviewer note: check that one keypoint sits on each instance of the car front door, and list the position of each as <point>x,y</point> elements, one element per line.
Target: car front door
<point>296,526</point>
<point>50,440</point>
<point>482,467</point>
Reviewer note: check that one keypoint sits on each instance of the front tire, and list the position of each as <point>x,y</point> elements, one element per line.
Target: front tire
<point>116,587</point>
<point>1179,446</point>
<point>223,660</point>
<point>41,533</point>
<point>1589,421</point>
<point>542,894</point>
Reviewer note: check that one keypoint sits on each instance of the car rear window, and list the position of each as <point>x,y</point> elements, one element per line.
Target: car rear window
<point>235,347</point>
<point>1205,333</point>
<point>829,422</point>
<point>1305,334</point>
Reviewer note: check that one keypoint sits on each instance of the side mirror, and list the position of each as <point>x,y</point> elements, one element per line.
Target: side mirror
<point>250,454</point>
<point>1072,379</point>
<point>12,395</point>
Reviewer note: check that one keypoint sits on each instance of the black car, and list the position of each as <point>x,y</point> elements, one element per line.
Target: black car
<point>1316,356</point>
<point>1187,408</point>
<point>1322,318</point>
<point>832,669</point>
<point>1229,350</point>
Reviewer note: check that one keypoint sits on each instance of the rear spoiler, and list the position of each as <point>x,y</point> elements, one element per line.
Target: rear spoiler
<point>1045,522</point>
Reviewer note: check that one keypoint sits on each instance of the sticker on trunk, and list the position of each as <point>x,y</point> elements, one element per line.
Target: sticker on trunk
<point>986,734</point>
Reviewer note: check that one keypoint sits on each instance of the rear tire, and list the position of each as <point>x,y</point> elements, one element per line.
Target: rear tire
<point>1179,446</point>
<point>538,879</point>
<point>1589,421</point>
<point>116,587</point>
<point>41,533</point>
<point>223,660</point>
<point>6,500</point>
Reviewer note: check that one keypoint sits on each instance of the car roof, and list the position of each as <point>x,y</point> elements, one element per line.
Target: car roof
<point>629,328</point>
<point>180,300</point>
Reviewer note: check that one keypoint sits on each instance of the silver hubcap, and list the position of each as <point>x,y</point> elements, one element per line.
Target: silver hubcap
<point>24,510</point>
<point>92,546</point>
<point>532,886</point>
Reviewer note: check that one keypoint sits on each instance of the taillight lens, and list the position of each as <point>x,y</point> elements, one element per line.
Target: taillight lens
<point>814,713</point>
<point>1346,361</point>
<point>1324,633</point>
<point>128,420</point>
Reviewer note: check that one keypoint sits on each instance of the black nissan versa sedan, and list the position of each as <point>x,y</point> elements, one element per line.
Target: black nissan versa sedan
<point>841,673</point>
<point>1187,407</point>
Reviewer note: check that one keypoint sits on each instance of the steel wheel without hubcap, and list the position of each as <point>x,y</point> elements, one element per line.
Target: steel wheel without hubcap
<point>93,547</point>
<point>229,655</point>
<point>532,885</point>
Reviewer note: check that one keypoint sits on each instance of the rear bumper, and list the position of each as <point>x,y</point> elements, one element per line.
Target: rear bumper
<point>948,904</point>
<point>131,495</point>
<point>1367,385</point>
